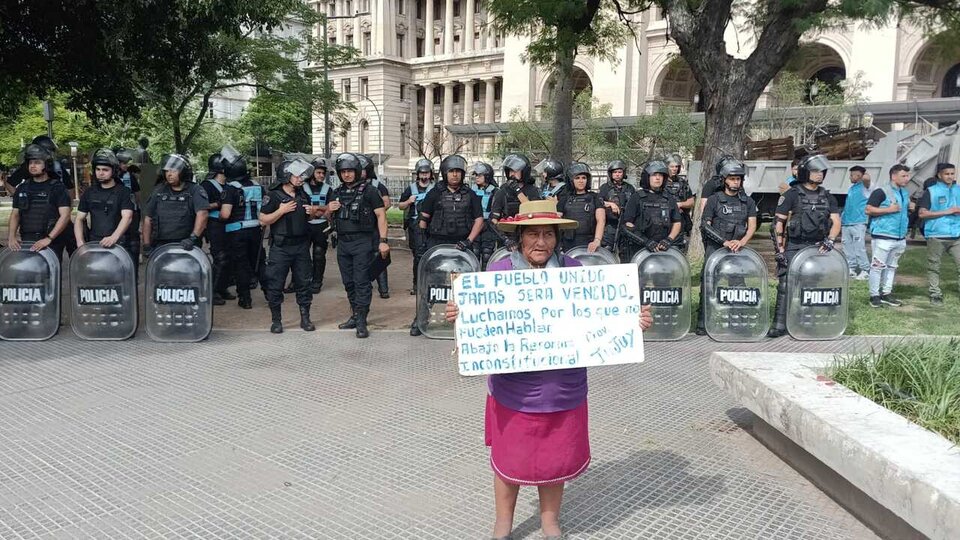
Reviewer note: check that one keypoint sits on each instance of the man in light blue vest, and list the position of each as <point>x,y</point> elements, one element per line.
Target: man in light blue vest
<point>410,201</point>
<point>318,190</point>
<point>940,211</point>
<point>242,199</point>
<point>854,222</point>
<point>888,209</point>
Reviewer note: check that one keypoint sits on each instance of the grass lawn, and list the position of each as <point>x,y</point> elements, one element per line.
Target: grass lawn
<point>918,380</point>
<point>394,216</point>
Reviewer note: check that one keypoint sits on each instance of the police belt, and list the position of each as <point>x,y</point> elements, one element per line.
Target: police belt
<point>346,237</point>
<point>245,224</point>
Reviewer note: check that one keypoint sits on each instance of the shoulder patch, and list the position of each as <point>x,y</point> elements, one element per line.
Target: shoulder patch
<point>780,201</point>
<point>266,199</point>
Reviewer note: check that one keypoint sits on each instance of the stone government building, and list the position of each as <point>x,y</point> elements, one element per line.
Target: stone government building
<point>437,63</point>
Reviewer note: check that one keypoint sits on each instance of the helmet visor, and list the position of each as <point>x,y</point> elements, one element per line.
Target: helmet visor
<point>818,163</point>
<point>174,162</point>
<point>300,168</point>
<point>514,163</point>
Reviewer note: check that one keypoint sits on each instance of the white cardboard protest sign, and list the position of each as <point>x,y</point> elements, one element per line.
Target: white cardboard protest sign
<point>556,318</point>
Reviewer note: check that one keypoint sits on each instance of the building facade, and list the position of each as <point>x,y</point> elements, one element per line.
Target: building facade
<point>437,63</point>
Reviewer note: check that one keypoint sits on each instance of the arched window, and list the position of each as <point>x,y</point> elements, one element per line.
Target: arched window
<point>364,136</point>
<point>951,82</point>
<point>345,137</point>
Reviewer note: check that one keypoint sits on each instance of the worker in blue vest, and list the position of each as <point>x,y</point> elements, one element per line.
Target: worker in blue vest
<point>853,221</point>
<point>485,187</point>
<point>243,199</point>
<point>889,210</point>
<point>318,190</point>
<point>410,201</point>
<point>939,208</point>
<point>215,233</point>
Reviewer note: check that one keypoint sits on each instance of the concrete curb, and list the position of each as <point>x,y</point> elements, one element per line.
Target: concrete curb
<point>913,473</point>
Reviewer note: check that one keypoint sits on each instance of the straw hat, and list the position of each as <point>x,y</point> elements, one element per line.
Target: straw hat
<point>536,213</point>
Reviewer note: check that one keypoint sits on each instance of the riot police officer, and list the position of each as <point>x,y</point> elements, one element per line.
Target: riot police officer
<point>127,174</point>
<point>358,213</point>
<point>678,186</point>
<point>554,181</point>
<point>615,194</point>
<point>176,211</point>
<point>318,190</point>
<point>652,218</point>
<point>806,215</point>
<point>452,212</point>
<point>729,221</point>
<point>715,184</point>
<point>369,174</point>
<point>128,177</point>
<point>584,206</point>
<point>243,199</point>
<point>108,203</point>
<point>41,205</point>
<point>287,209</point>
<point>517,188</point>
<point>486,188</point>
<point>215,233</point>
<point>411,200</point>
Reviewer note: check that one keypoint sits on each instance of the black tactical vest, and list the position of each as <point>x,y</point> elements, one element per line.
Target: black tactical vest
<point>355,214</point>
<point>293,224</point>
<point>812,222</point>
<point>38,215</point>
<point>620,196</point>
<point>655,209</point>
<point>452,214</point>
<point>512,197</point>
<point>174,214</point>
<point>581,209</point>
<point>104,210</point>
<point>730,216</point>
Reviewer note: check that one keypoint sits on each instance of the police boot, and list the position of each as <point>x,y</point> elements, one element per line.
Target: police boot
<point>350,323</point>
<point>276,327</point>
<point>382,285</point>
<point>245,301</point>
<point>414,329</point>
<point>227,295</point>
<point>779,327</point>
<point>362,331</point>
<point>315,286</point>
<point>218,299</point>
<point>305,319</point>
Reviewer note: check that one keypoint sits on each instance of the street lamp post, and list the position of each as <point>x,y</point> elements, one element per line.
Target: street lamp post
<point>76,176</point>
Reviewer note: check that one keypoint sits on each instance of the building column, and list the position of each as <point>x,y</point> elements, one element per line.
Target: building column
<point>468,102</point>
<point>412,126</point>
<point>428,30</point>
<point>427,115</point>
<point>488,101</point>
<point>467,37</point>
<point>448,28</point>
<point>447,115</point>
<point>411,29</point>
<point>379,28</point>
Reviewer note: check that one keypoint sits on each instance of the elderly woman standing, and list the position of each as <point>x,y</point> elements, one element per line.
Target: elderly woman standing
<point>536,423</point>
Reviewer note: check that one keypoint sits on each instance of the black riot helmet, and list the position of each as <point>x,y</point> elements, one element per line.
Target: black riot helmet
<point>320,163</point>
<point>675,159</point>
<point>722,161</point>
<point>486,170</point>
<point>614,165</point>
<point>36,151</point>
<point>105,157</point>
<point>215,164</point>
<point>517,162</point>
<point>124,155</point>
<point>551,168</point>
<point>451,163</point>
<point>281,173</point>
<point>733,168</point>
<point>654,167</point>
<point>179,163</point>
<point>579,167</point>
<point>366,165</point>
<point>47,143</point>
<point>234,164</point>
<point>424,165</point>
<point>348,161</point>
<point>810,164</point>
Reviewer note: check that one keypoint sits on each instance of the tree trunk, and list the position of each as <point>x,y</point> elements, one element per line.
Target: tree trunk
<point>563,107</point>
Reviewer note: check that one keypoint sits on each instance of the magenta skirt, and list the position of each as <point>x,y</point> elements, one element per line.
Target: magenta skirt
<point>537,449</point>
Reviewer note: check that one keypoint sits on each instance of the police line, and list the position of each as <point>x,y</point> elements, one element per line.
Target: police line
<point>179,289</point>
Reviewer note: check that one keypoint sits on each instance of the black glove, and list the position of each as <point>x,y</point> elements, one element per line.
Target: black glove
<point>781,258</point>
<point>464,245</point>
<point>664,244</point>
<point>146,251</point>
<point>652,245</point>
<point>826,244</point>
<point>189,243</point>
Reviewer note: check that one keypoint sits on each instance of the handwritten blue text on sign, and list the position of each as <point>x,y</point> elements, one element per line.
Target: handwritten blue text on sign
<point>557,318</point>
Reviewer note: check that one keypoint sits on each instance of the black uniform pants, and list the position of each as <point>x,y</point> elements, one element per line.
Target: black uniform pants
<point>354,255</point>
<point>780,312</point>
<point>245,246</point>
<point>318,251</point>
<point>217,237</point>
<point>293,253</point>
<point>383,286</point>
<point>485,245</point>
<point>436,240</point>
<point>417,241</point>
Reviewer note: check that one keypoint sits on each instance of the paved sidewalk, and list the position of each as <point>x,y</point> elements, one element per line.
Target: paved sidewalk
<point>325,436</point>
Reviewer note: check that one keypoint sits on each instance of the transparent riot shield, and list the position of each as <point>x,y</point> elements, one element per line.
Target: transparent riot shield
<point>29,294</point>
<point>665,285</point>
<point>599,257</point>
<point>498,255</point>
<point>817,295</point>
<point>434,287</point>
<point>737,303</point>
<point>178,294</point>
<point>104,293</point>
